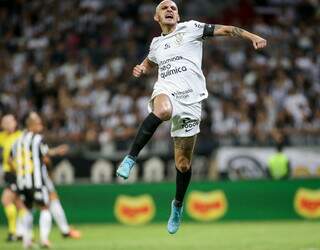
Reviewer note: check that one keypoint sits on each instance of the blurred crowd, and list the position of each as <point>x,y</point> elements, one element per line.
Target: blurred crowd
<point>72,62</point>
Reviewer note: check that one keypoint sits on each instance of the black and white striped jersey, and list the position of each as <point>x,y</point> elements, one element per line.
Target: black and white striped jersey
<point>27,154</point>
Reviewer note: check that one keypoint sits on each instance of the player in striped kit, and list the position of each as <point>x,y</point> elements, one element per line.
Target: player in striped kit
<point>9,198</point>
<point>28,155</point>
<point>31,156</point>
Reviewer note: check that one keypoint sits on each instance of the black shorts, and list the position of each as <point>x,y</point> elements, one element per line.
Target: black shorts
<point>10,181</point>
<point>32,197</point>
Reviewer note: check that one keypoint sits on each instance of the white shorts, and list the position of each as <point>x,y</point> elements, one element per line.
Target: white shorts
<point>185,119</point>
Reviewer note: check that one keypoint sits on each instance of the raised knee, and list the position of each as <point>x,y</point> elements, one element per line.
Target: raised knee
<point>164,113</point>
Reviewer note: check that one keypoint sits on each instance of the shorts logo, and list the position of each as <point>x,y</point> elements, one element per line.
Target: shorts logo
<point>182,94</point>
<point>188,124</point>
<point>184,123</point>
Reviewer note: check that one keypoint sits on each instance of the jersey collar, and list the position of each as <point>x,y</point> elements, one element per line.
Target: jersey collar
<point>163,35</point>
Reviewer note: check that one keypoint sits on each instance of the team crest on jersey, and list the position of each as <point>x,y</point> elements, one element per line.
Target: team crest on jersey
<point>179,38</point>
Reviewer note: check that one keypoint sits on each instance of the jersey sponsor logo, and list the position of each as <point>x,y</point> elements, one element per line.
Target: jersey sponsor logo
<point>26,165</point>
<point>166,46</point>
<point>165,68</point>
<point>174,71</point>
<point>172,59</point>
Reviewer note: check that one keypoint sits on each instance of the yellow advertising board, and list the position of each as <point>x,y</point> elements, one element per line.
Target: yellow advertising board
<point>207,206</point>
<point>134,210</point>
<point>307,203</point>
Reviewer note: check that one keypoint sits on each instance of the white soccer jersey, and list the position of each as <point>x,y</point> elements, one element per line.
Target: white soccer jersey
<point>179,58</point>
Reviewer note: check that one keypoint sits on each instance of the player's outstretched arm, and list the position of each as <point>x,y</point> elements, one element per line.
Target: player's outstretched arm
<point>144,68</point>
<point>59,150</point>
<point>225,30</point>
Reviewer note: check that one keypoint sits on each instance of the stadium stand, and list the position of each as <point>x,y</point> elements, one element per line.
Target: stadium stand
<point>72,62</point>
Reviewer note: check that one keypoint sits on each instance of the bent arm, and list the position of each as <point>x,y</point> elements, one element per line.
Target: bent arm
<point>149,65</point>
<point>59,150</point>
<point>226,30</point>
<point>143,68</point>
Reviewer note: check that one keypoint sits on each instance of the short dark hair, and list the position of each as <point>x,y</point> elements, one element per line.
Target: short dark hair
<point>279,146</point>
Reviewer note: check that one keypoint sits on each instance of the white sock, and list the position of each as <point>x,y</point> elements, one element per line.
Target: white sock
<point>59,216</point>
<point>45,225</point>
<point>27,221</point>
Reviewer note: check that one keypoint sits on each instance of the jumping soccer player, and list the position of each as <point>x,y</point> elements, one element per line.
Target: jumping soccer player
<point>7,138</point>
<point>178,93</point>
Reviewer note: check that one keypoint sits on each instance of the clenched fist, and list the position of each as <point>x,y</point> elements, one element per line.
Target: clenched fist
<point>258,42</point>
<point>138,70</point>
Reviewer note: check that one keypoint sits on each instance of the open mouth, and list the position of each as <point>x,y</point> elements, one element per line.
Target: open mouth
<point>169,16</point>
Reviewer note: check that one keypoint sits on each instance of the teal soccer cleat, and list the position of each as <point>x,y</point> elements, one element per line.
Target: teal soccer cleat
<point>175,218</point>
<point>125,166</point>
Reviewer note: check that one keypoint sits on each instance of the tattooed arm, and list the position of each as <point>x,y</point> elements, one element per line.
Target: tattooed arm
<point>225,30</point>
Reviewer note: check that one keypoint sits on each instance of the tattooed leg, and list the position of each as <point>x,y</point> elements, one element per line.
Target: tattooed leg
<point>183,151</point>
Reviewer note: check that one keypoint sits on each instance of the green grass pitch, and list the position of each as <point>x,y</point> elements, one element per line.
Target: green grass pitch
<point>288,235</point>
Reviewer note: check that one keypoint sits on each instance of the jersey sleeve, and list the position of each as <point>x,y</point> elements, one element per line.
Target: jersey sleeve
<point>200,30</point>
<point>151,56</point>
<point>196,29</point>
<point>44,148</point>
